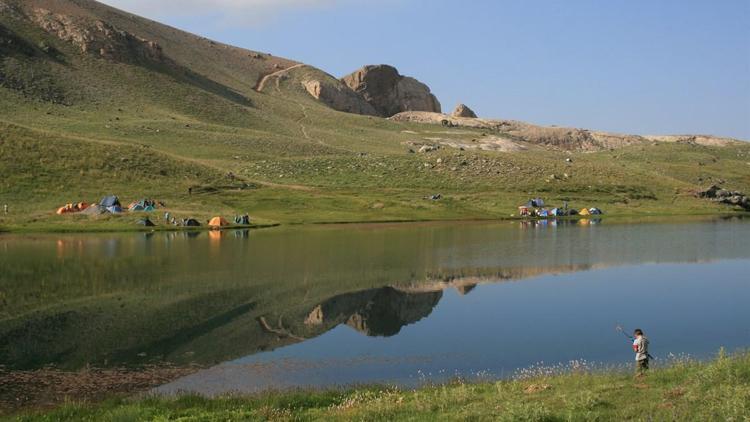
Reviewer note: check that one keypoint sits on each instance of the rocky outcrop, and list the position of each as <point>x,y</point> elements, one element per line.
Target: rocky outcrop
<point>462,110</point>
<point>97,37</point>
<point>338,96</point>
<point>319,85</point>
<point>389,93</point>
<point>725,196</point>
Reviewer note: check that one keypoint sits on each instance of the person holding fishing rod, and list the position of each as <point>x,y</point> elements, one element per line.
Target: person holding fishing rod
<point>640,347</point>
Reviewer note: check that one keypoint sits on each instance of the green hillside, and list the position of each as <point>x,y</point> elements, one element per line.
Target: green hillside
<point>96,101</point>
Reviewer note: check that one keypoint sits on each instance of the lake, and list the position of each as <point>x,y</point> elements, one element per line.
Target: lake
<point>386,303</point>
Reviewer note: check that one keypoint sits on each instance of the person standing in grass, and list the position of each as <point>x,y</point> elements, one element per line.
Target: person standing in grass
<point>640,347</point>
<point>5,208</point>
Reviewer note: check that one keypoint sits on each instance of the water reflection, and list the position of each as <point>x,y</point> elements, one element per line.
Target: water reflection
<point>375,312</point>
<point>208,297</point>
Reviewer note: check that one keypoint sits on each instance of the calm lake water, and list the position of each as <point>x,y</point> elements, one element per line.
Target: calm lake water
<point>321,306</point>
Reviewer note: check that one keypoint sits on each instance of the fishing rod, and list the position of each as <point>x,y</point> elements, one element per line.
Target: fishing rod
<point>619,328</point>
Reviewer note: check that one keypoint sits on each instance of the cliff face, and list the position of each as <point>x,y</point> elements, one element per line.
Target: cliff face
<point>389,92</point>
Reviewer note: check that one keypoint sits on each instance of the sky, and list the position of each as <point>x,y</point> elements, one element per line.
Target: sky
<point>631,66</point>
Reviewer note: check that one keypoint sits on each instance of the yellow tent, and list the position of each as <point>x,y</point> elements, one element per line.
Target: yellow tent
<point>584,211</point>
<point>217,222</point>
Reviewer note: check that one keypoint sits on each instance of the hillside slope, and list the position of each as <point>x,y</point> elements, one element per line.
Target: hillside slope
<point>94,100</point>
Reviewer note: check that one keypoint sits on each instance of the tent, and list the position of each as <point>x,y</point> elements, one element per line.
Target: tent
<point>146,205</point>
<point>192,222</point>
<point>595,211</point>
<point>71,208</point>
<point>145,222</point>
<point>535,203</point>
<point>572,212</point>
<point>556,212</point>
<point>95,209</point>
<point>523,211</point>
<point>584,211</point>
<point>115,209</point>
<point>217,222</point>
<point>110,201</point>
<point>543,213</point>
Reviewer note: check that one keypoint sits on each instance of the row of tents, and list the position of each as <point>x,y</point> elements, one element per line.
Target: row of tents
<point>214,223</point>
<point>109,204</point>
<point>535,208</point>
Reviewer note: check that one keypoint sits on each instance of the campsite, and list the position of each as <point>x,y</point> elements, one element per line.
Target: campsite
<point>148,213</point>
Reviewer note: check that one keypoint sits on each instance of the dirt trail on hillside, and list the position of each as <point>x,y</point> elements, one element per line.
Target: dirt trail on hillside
<point>264,80</point>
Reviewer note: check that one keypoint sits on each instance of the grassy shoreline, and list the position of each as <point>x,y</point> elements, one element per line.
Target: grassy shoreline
<point>128,227</point>
<point>683,390</point>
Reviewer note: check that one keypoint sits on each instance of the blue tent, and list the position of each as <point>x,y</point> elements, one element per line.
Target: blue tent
<point>535,203</point>
<point>110,201</point>
<point>556,212</point>
<point>115,209</point>
<point>543,213</point>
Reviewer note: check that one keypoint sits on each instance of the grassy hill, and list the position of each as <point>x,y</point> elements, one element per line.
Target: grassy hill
<point>96,101</point>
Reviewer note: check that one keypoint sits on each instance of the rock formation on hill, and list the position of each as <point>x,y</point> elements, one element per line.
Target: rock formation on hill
<point>462,110</point>
<point>389,93</point>
<point>97,37</point>
<point>318,84</point>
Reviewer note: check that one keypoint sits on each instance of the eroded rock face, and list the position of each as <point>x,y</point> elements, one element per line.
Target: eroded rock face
<point>97,37</point>
<point>338,97</point>
<point>389,93</point>
<point>462,110</point>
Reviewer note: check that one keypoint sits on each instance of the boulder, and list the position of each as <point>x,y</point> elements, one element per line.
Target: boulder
<point>723,196</point>
<point>389,92</point>
<point>462,110</point>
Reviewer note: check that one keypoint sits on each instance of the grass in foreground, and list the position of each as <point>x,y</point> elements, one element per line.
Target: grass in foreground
<point>686,390</point>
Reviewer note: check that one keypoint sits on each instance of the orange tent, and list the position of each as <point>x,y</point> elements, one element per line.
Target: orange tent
<point>71,208</point>
<point>217,222</point>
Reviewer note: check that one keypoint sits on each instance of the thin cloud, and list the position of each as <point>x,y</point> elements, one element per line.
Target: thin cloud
<point>229,11</point>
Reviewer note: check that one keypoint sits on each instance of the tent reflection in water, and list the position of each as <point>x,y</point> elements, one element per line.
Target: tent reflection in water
<point>218,222</point>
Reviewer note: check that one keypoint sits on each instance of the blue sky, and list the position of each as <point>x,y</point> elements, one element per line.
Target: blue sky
<point>638,66</point>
